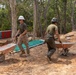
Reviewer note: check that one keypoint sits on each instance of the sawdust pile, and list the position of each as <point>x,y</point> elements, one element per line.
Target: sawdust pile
<point>71,37</point>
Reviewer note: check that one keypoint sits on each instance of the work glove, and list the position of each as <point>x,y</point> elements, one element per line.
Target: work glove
<point>60,41</point>
<point>15,39</point>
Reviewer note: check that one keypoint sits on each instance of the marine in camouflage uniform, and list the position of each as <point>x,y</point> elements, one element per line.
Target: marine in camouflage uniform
<point>52,29</point>
<point>22,35</point>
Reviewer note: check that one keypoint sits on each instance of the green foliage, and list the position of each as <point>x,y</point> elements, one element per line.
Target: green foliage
<point>69,28</point>
<point>25,8</point>
<point>30,28</point>
<point>4,19</point>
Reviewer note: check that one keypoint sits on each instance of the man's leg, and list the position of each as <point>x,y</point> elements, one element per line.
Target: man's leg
<point>51,47</point>
<point>20,45</point>
<point>48,54</point>
<point>25,41</point>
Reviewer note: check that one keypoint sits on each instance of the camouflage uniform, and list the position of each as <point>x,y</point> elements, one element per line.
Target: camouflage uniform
<point>23,39</point>
<point>50,39</point>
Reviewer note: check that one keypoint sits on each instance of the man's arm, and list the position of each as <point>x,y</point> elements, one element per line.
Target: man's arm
<point>17,33</point>
<point>57,34</point>
<point>25,32</point>
<point>15,37</point>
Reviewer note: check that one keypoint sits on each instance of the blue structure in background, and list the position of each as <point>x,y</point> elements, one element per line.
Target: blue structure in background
<point>0,34</point>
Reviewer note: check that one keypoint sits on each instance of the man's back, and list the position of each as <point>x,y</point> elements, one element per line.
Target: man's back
<point>51,29</point>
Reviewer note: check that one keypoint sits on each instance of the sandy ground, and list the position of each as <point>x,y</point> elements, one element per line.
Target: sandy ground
<point>37,64</point>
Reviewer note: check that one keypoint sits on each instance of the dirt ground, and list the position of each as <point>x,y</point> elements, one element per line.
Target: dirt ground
<point>37,64</point>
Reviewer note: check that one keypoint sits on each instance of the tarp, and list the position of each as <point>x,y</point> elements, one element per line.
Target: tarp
<point>31,44</point>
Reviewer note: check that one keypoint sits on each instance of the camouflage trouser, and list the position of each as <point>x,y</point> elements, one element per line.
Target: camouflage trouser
<point>51,46</point>
<point>23,40</point>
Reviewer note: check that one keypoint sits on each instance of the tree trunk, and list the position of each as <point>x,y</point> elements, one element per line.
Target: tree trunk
<point>45,12</point>
<point>64,9</point>
<point>13,16</point>
<point>35,19</point>
<point>72,15</point>
<point>58,16</point>
<point>40,31</point>
<point>39,21</point>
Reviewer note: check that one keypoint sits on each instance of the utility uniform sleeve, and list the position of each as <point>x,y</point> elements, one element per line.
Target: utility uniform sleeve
<point>56,28</point>
<point>47,29</point>
<point>25,27</point>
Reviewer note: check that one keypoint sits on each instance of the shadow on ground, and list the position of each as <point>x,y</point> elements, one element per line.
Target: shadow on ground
<point>9,61</point>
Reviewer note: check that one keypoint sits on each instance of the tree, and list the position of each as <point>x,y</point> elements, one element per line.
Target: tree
<point>64,9</point>
<point>42,12</point>
<point>45,11</point>
<point>72,14</point>
<point>35,19</point>
<point>13,16</point>
<point>58,15</point>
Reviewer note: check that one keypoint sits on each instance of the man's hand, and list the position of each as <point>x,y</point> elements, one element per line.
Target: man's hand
<point>60,41</point>
<point>24,33</point>
<point>57,34</point>
<point>20,35</point>
<point>15,39</point>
